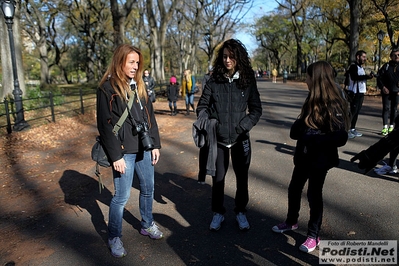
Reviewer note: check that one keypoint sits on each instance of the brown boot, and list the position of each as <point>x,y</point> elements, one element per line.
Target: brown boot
<point>187,109</point>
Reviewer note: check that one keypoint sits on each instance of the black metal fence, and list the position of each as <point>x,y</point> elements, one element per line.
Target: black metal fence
<point>47,107</point>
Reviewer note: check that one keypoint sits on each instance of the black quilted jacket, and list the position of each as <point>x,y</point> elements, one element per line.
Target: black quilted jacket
<point>236,110</point>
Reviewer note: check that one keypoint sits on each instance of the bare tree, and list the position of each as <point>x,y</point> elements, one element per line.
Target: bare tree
<point>159,17</point>
<point>90,19</point>
<point>297,12</point>
<point>220,19</point>
<point>189,20</point>
<point>59,50</point>
<point>35,25</point>
<point>119,15</point>
<point>388,9</point>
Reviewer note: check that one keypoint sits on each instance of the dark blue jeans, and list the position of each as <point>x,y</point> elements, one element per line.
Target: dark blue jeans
<point>315,178</point>
<point>240,159</point>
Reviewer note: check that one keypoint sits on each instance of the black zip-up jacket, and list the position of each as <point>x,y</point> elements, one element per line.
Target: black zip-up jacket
<point>237,110</point>
<point>388,76</point>
<point>109,109</point>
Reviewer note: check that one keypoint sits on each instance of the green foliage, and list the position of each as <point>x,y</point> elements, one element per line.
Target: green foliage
<point>36,97</point>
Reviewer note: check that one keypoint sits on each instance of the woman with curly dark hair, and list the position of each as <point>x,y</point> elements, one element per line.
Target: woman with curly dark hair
<point>231,97</point>
<point>319,130</point>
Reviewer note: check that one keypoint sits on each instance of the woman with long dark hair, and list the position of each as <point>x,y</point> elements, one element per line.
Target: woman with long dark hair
<point>319,130</point>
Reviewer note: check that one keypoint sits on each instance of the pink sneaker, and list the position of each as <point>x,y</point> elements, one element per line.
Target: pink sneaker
<point>309,245</point>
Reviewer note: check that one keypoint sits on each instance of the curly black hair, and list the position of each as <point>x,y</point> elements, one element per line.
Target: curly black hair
<point>243,63</point>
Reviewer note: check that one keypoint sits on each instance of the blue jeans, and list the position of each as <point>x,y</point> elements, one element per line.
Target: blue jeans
<point>141,164</point>
<point>190,98</point>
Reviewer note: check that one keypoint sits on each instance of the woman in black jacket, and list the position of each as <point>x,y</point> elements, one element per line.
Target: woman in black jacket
<point>135,147</point>
<point>231,96</point>
<point>319,130</point>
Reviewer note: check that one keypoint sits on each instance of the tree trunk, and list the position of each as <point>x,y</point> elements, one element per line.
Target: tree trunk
<point>118,19</point>
<point>90,62</point>
<point>158,55</point>
<point>44,68</point>
<point>354,6</point>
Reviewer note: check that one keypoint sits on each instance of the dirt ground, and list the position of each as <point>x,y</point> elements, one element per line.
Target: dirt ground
<point>31,164</point>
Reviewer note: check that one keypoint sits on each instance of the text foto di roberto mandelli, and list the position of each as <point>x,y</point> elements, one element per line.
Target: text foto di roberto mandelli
<point>358,251</point>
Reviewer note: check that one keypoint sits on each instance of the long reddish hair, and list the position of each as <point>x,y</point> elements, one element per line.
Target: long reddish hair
<point>118,79</point>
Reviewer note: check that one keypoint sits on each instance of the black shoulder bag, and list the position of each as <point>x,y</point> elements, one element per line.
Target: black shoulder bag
<point>97,152</point>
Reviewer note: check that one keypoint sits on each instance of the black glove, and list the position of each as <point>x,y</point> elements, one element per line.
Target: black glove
<point>364,161</point>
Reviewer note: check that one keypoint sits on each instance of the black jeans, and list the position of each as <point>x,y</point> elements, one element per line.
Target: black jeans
<point>355,106</point>
<point>389,107</point>
<point>240,159</point>
<point>315,179</point>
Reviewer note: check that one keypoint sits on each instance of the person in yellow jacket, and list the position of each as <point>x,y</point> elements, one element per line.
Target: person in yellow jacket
<point>274,74</point>
<point>187,90</point>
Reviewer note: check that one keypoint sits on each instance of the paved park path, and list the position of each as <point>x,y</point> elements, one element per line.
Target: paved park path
<point>357,206</point>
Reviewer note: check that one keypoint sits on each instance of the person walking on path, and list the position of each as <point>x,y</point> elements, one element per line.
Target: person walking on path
<point>319,130</point>
<point>187,85</point>
<point>125,149</point>
<point>387,81</point>
<point>149,85</point>
<point>357,84</point>
<point>274,75</point>
<point>232,97</point>
<point>172,90</point>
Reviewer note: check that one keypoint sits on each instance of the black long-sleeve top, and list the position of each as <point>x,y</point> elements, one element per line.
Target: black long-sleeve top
<point>317,148</point>
<point>388,76</point>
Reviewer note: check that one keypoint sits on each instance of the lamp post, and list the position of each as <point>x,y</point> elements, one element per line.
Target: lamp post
<point>380,37</point>
<point>8,8</point>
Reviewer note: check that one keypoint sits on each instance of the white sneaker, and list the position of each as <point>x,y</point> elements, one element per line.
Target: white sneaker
<point>351,135</point>
<point>216,221</point>
<point>357,134</point>
<point>116,246</point>
<point>242,221</point>
<point>152,231</point>
<point>386,169</point>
